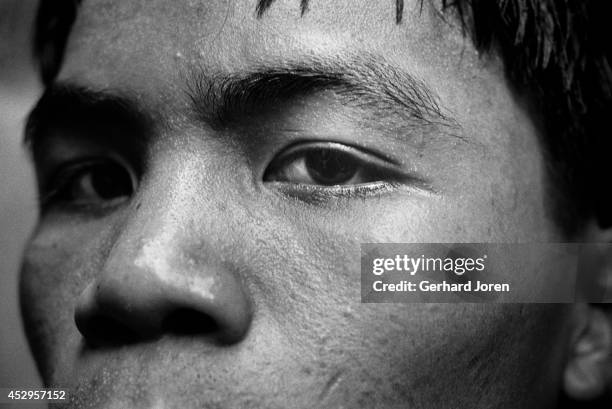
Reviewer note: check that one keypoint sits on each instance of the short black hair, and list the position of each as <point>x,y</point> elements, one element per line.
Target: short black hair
<point>555,52</point>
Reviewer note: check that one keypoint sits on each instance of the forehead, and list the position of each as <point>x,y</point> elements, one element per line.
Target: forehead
<point>160,38</point>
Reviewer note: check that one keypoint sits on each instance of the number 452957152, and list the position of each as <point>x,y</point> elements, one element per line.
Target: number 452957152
<point>36,394</point>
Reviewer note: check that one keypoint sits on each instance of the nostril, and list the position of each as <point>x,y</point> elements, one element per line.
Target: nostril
<point>185,321</point>
<point>128,306</point>
<point>102,331</point>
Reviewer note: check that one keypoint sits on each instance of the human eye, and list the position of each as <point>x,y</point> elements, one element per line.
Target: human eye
<point>89,184</point>
<point>333,168</point>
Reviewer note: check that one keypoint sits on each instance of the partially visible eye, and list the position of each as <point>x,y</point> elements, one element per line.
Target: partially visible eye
<point>96,183</point>
<point>327,164</point>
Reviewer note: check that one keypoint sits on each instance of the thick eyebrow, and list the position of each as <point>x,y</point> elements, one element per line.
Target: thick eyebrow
<point>366,83</point>
<point>68,106</point>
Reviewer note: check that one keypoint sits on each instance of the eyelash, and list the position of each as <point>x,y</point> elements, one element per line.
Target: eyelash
<point>371,163</point>
<point>57,189</point>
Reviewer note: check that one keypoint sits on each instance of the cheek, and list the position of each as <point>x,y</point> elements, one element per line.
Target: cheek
<point>46,307</point>
<point>57,265</point>
<point>396,353</point>
<point>429,355</point>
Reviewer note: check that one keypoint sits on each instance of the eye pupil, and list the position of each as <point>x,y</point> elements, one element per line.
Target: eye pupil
<point>100,182</point>
<point>110,182</point>
<point>329,167</point>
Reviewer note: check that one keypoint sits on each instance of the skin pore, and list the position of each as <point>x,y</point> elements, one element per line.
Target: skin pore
<point>185,231</point>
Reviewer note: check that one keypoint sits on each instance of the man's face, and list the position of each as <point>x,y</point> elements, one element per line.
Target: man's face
<point>211,257</point>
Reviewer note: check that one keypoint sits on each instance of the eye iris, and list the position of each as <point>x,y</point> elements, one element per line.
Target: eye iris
<point>110,182</point>
<point>328,167</point>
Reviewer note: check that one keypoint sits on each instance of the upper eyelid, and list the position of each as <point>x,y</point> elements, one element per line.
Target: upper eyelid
<point>296,147</point>
<point>71,169</point>
<point>367,158</point>
<point>88,160</point>
<point>416,181</point>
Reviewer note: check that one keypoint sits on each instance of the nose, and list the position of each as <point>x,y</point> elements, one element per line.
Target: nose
<point>159,291</point>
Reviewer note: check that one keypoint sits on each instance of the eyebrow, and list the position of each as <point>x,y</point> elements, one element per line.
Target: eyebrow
<point>366,83</point>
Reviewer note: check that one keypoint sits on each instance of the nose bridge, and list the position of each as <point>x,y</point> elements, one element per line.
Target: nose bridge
<point>174,211</point>
<point>162,277</point>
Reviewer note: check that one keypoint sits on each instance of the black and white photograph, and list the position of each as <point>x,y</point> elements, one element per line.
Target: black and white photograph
<point>306,204</point>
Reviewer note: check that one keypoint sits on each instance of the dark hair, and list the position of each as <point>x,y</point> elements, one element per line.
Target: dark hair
<point>556,52</point>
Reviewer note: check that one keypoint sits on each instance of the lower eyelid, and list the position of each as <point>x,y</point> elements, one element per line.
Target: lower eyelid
<point>318,194</point>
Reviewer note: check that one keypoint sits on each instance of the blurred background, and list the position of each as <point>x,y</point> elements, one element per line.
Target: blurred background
<point>19,88</point>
